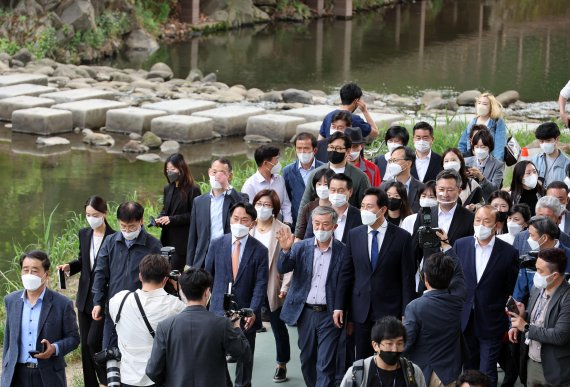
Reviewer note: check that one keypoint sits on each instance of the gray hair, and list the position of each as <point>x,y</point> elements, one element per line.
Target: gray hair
<point>325,210</point>
<point>551,203</point>
<point>450,174</point>
<point>545,225</point>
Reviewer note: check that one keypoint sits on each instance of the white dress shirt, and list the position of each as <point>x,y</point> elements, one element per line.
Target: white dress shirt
<point>341,223</point>
<point>444,218</point>
<point>381,232</point>
<point>257,182</point>
<point>422,166</point>
<point>562,222</point>
<point>321,263</point>
<point>482,256</point>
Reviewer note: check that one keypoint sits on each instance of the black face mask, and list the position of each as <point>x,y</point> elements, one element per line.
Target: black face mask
<point>394,204</point>
<point>389,357</point>
<point>173,176</point>
<point>336,157</point>
<point>502,216</point>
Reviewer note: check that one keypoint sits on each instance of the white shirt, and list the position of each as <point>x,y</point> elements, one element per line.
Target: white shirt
<point>482,256</point>
<point>257,182</point>
<point>444,218</point>
<point>422,166</point>
<point>565,92</point>
<point>96,242</point>
<point>507,237</point>
<point>263,237</point>
<point>381,232</point>
<point>341,223</point>
<point>338,170</point>
<point>408,223</point>
<point>562,222</point>
<point>135,341</point>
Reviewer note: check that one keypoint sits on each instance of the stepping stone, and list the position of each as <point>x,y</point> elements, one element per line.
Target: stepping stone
<point>309,127</point>
<point>230,120</point>
<point>16,79</point>
<point>9,105</point>
<point>42,121</point>
<point>90,113</point>
<point>79,95</point>
<point>183,128</point>
<point>131,120</point>
<point>311,113</point>
<point>184,106</point>
<point>24,89</point>
<point>383,119</point>
<point>277,127</point>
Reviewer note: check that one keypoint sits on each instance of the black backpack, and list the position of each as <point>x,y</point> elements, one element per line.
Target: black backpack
<point>405,364</point>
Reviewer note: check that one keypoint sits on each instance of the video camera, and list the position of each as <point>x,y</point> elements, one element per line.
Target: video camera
<point>168,252</point>
<point>110,357</point>
<point>426,233</point>
<point>231,307</point>
<point>528,261</point>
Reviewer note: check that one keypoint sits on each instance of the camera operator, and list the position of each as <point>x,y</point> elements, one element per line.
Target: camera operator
<point>133,312</point>
<point>190,348</point>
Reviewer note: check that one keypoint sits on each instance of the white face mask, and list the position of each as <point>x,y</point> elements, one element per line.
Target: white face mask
<point>548,147</point>
<point>239,230</point>
<point>541,281</point>
<point>214,183</point>
<point>353,156</point>
<point>428,202</point>
<point>394,169</point>
<point>368,217</point>
<point>422,146</point>
<point>441,201</point>
<point>276,169</point>
<point>453,165</point>
<point>95,222</point>
<point>392,145</point>
<point>322,235</point>
<point>131,235</point>
<point>534,245</point>
<point>482,232</point>
<point>337,200</point>
<point>264,213</point>
<point>305,158</point>
<point>481,153</point>
<point>31,282</point>
<point>514,228</point>
<point>322,192</point>
<point>483,111</point>
<point>530,181</point>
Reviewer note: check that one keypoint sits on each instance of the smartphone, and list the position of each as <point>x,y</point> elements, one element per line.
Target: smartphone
<point>512,305</point>
<point>33,353</point>
<point>61,276</point>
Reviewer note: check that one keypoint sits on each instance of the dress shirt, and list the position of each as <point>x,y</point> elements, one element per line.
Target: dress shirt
<point>29,328</point>
<point>422,166</point>
<point>305,172</point>
<point>257,182</point>
<point>216,215</point>
<point>242,242</point>
<point>444,218</point>
<point>341,223</point>
<point>381,232</point>
<point>537,318</point>
<point>482,256</point>
<point>338,170</point>
<point>96,242</point>
<point>321,262</point>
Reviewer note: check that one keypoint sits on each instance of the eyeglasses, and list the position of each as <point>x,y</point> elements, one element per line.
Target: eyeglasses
<point>336,148</point>
<point>396,160</point>
<point>264,205</point>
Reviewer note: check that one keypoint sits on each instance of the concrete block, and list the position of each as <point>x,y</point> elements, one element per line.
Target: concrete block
<point>309,127</point>
<point>311,113</point>
<point>42,121</point>
<point>24,89</point>
<point>131,120</point>
<point>383,119</point>
<point>79,95</point>
<point>90,113</point>
<point>184,106</point>
<point>183,128</point>
<point>230,120</point>
<point>16,79</point>
<point>9,105</point>
<point>277,127</point>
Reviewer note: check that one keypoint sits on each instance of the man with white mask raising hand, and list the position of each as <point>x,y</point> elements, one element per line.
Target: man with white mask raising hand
<point>400,167</point>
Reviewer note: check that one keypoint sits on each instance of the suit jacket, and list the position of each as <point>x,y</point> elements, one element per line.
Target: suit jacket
<point>554,336</point>
<point>382,164</point>
<point>84,299</point>
<point>566,222</point>
<point>57,324</point>
<point>369,294</point>
<point>353,220</point>
<point>300,260</point>
<point>413,192</point>
<point>295,186</point>
<point>200,223</point>
<point>190,349</point>
<point>486,299</point>
<point>493,175</point>
<point>322,154</point>
<point>521,241</point>
<point>434,167</point>
<point>179,210</point>
<point>250,285</point>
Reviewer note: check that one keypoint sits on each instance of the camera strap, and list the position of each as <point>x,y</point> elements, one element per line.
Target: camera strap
<point>145,319</point>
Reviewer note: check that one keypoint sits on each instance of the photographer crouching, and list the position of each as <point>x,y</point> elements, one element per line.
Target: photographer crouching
<point>190,348</point>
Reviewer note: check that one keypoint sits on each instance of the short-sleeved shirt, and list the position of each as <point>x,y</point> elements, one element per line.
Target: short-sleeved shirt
<point>357,122</point>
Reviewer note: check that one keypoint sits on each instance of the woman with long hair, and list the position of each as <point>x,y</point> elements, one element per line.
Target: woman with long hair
<point>502,202</point>
<point>525,185</point>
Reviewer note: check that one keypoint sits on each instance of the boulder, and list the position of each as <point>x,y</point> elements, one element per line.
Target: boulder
<point>299,96</point>
<point>254,95</point>
<point>239,89</point>
<point>228,97</point>
<point>468,98</point>
<point>98,139</point>
<point>438,103</point>
<point>160,67</point>
<point>24,56</point>
<point>140,40</point>
<point>318,93</point>
<point>149,157</point>
<point>151,140</point>
<point>272,96</point>
<point>134,146</point>
<point>162,75</point>
<point>52,141</point>
<point>120,77</point>
<point>508,97</point>
<point>195,75</point>
<point>169,147</point>
<point>429,96</point>
<point>212,77</point>
<point>80,14</point>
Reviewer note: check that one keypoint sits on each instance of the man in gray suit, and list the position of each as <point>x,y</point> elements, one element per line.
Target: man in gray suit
<point>559,190</point>
<point>190,348</point>
<point>545,324</point>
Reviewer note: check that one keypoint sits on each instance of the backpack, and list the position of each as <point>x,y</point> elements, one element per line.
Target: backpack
<point>405,364</point>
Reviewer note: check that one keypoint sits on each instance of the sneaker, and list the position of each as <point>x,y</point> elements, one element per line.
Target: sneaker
<point>280,375</point>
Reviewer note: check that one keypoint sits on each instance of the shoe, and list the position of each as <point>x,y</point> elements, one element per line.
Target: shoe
<point>280,375</point>
<point>230,359</point>
<point>261,330</point>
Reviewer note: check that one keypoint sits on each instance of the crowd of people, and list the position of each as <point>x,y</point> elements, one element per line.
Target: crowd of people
<point>411,269</point>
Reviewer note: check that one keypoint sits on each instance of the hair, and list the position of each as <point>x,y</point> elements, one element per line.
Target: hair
<point>98,204</point>
<point>555,258</point>
<point>343,115</point>
<point>154,268</point>
<point>551,203</point>
<point>544,225</point>
<point>449,174</point>
<point>306,136</point>
<point>422,125</point>
<point>223,160</point>
<point>349,92</point>
<point>462,170</point>
<point>274,199</point>
<point>490,208</point>
<point>265,153</point>
<point>496,109</point>
<point>518,175</point>
<point>476,128</point>
<point>428,186</point>
<point>325,210</point>
<point>474,378</point>
<point>381,196</point>
<point>409,154</point>
<point>398,132</point>
<point>319,173</point>
<point>387,328</point>
<point>36,254</point>
<point>438,270</point>
<point>558,185</point>
<point>405,208</point>
<point>523,209</point>
<point>342,177</point>
<point>248,207</point>
<point>546,131</point>
<point>341,135</point>
<point>194,283</point>
<point>186,178</point>
<point>500,194</point>
<point>485,137</point>
<point>130,211</point>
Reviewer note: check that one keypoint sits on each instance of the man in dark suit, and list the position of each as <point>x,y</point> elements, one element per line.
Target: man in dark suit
<point>377,277</point>
<point>296,174</point>
<point>241,261</point>
<point>309,304</point>
<point>190,348</point>
<point>545,324</point>
<point>210,212</point>
<point>490,266</point>
<point>395,137</point>
<point>37,319</point>
<point>427,164</point>
<point>399,167</point>
<point>433,321</point>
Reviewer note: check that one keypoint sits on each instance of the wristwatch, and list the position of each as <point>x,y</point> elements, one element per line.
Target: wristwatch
<point>526,327</point>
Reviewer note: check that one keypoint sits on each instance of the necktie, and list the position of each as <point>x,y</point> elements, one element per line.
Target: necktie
<point>374,249</point>
<point>235,258</point>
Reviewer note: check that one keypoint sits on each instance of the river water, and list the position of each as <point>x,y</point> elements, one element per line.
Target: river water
<point>490,45</point>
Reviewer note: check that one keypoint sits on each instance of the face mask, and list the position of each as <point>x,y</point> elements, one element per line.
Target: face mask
<point>481,153</point>
<point>389,357</point>
<point>514,228</point>
<point>534,245</point>
<point>368,217</point>
<point>322,192</point>
<point>540,281</point>
<point>276,169</point>
<point>335,157</point>
<point>422,146</point>
<point>453,165</point>
<point>394,204</point>
<point>264,213</point>
<point>323,236</point>
<point>214,183</point>
<point>548,147</point>
<point>131,235</point>
<point>95,222</point>
<point>394,169</point>
<point>428,202</point>
<point>31,282</point>
<point>441,201</point>
<point>502,216</point>
<point>482,232</point>
<point>354,156</point>
<point>530,181</point>
<point>305,158</point>
<point>239,230</point>
<point>173,176</point>
<point>337,200</point>
<point>392,145</point>
<point>483,111</point>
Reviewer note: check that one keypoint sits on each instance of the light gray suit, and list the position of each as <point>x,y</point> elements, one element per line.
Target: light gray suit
<point>492,174</point>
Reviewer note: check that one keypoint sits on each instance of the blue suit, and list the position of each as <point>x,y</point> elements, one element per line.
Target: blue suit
<point>295,186</point>
<point>57,324</point>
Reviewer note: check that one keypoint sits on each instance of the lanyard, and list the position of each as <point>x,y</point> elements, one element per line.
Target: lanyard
<point>541,304</point>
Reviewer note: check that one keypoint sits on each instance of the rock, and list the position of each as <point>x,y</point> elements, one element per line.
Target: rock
<point>508,97</point>
<point>45,70</point>
<point>151,140</point>
<point>437,103</point>
<point>313,127</point>
<point>134,146</point>
<point>394,99</point>
<point>60,82</point>
<point>24,89</point>
<point>318,93</point>
<point>162,75</point>
<point>102,77</point>
<point>80,14</point>
<point>10,105</point>
<point>254,138</point>
<point>79,95</point>
<point>212,77</point>
<point>162,67</point>
<point>254,95</point>
<point>17,64</point>
<point>65,71</point>
<point>468,98</point>
<point>311,113</point>
<point>43,121</point>
<point>169,147</point>
<point>23,55</point>
<point>300,96</point>
<point>272,96</point>
<point>183,128</point>
<point>195,75</point>
<point>90,113</point>
<point>430,96</point>
<point>276,127</point>
<point>52,141</point>
<point>5,58</point>
<point>229,97</point>
<point>120,77</point>
<point>140,40</point>
<point>135,136</point>
<point>131,120</point>
<point>239,89</point>
<point>220,85</point>
<point>78,85</point>
<point>230,120</point>
<point>98,139</point>
<point>149,157</point>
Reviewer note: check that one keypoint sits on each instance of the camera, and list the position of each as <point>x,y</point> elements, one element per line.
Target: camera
<point>528,261</point>
<point>152,222</point>
<point>110,357</point>
<point>167,251</point>
<point>111,353</point>
<point>426,233</point>
<point>231,308</point>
